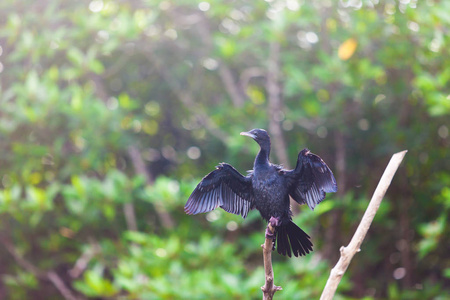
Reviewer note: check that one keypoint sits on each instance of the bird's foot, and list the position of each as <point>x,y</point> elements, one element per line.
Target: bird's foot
<point>275,222</point>
<point>269,233</point>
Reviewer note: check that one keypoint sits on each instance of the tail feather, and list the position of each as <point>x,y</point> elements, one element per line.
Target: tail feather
<point>291,237</point>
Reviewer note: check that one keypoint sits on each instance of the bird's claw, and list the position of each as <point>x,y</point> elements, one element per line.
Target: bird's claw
<point>269,234</point>
<point>275,222</point>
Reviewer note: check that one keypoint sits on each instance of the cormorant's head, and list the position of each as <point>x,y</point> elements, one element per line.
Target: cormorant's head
<point>259,135</point>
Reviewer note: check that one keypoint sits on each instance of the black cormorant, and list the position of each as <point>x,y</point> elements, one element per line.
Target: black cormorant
<point>267,188</point>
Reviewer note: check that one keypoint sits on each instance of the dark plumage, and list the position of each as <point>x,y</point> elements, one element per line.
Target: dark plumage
<point>267,188</point>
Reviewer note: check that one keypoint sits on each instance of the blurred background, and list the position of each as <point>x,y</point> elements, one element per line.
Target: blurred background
<point>112,111</point>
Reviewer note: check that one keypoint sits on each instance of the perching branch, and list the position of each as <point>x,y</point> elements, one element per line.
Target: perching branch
<point>269,288</point>
<point>348,252</point>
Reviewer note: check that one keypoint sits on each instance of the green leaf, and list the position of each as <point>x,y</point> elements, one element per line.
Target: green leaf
<point>96,66</point>
<point>75,56</point>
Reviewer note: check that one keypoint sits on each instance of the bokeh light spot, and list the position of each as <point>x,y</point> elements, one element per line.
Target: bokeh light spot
<point>204,6</point>
<point>322,132</point>
<point>363,124</point>
<point>399,273</point>
<point>194,152</point>
<point>443,131</point>
<point>232,226</point>
<point>210,64</point>
<point>311,37</point>
<point>161,252</point>
<point>213,216</point>
<point>96,6</point>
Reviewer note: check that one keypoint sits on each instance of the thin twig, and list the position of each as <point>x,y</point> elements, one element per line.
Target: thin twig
<point>52,276</point>
<point>188,100</point>
<point>348,252</point>
<point>25,264</point>
<point>139,167</point>
<point>83,261</point>
<point>247,75</point>
<point>60,285</point>
<point>275,107</point>
<point>128,208</point>
<point>230,86</point>
<point>203,29</point>
<point>269,288</point>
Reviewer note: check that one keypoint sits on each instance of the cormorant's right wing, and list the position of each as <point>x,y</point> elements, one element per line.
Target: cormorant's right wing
<point>224,187</point>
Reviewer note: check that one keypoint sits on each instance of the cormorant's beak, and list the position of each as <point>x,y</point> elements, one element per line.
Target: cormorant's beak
<point>248,134</point>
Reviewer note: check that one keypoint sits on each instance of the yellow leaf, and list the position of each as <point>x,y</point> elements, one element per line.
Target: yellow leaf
<point>347,48</point>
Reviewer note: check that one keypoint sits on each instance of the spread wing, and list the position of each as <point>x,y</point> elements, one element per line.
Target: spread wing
<point>310,180</point>
<point>224,187</point>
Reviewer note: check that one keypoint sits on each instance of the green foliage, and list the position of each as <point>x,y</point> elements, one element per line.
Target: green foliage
<point>85,83</point>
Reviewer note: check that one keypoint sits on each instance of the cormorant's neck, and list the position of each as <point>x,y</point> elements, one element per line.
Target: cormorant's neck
<point>262,158</point>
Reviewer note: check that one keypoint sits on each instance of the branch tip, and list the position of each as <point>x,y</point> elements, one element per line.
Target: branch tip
<point>353,247</point>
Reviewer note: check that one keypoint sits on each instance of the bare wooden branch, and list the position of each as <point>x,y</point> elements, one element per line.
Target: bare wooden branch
<point>128,208</point>
<point>248,74</point>
<point>60,285</point>
<point>230,86</point>
<point>139,167</point>
<point>52,276</point>
<point>22,262</point>
<point>82,262</point>
<point>269,288</point>
<point>233,89</point>
<point>275,107</point>
<point>348,252</point>
<point>130,216</point>
<point>333,233</point>
<point>187,99</point>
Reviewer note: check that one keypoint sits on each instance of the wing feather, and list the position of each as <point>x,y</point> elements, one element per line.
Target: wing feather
<point>311,179</point>
<point>224,187</point>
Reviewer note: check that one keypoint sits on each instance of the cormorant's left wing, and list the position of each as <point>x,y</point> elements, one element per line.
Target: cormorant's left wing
<point>310,180</point>
<point>224,187</point>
